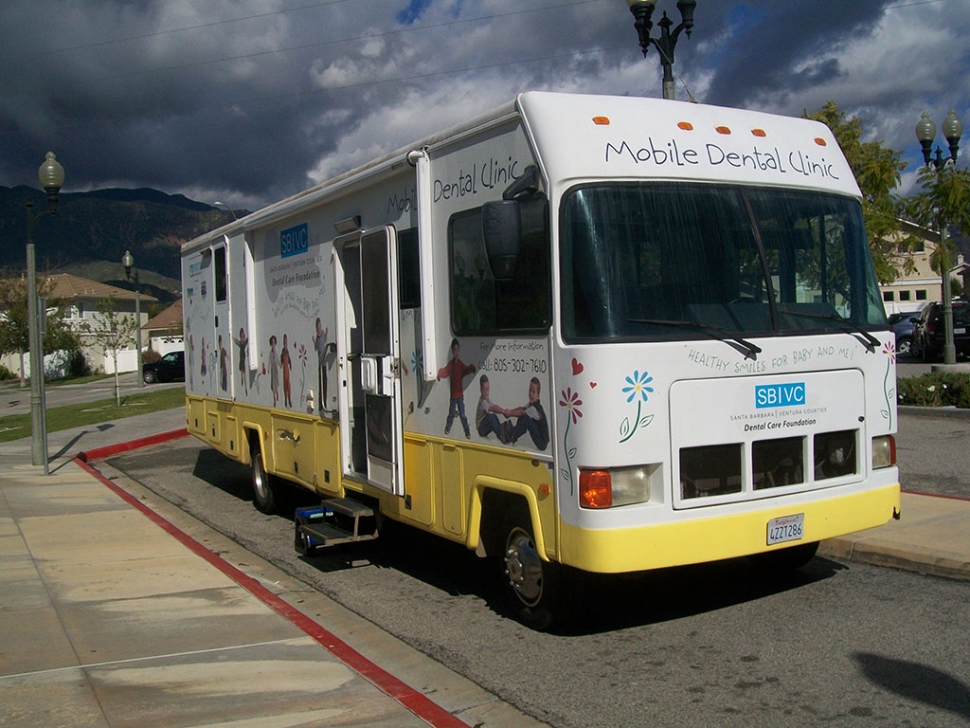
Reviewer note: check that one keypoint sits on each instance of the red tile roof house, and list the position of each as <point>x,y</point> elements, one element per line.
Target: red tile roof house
<point>81,297</point>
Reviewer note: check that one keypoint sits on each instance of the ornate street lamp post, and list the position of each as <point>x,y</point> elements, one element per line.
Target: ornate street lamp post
<point>51,175</point>
<point>128,261</point>
<point>926,133</point>
<point>642,11</point>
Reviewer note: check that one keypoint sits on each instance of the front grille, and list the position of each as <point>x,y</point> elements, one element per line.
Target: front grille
<point>730,469</point>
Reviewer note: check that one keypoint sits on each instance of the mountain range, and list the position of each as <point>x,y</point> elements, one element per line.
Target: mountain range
<point>92,230</point>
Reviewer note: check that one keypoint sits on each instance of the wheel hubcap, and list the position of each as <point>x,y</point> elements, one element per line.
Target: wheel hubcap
<point>523,567</point>
<point>259,477</point>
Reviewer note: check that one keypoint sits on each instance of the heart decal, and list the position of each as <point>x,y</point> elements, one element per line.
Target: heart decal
<point>577,367</point>
<point>592,385</point>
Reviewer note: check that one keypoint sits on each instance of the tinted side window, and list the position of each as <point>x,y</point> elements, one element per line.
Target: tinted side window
<point>408,268</point>
<point>482,305</point>
<point>219,256</point>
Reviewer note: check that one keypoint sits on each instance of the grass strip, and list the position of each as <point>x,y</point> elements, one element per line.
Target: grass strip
<point>16,427</point>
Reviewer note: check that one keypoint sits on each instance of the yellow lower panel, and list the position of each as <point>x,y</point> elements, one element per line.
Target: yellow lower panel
<point>614,551</point>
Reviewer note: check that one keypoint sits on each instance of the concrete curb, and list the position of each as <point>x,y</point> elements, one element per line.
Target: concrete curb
<point>932,537</point>
<point>940,412</point>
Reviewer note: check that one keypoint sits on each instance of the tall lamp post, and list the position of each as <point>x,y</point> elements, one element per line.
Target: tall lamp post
<point>128,261</point>
<point>926,133</point>
<point>642,12</point>
<point>224,206</point>
<point>51,175</point>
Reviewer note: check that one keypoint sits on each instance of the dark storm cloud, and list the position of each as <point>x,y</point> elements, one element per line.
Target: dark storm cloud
<point>127,102</point>
<point>247,101</point>
<point>775,37</point>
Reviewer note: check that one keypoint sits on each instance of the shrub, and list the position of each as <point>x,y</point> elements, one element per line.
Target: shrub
<point>6,374</point>
<point>937,389</point>
<point>78,365</point>
<point>150,356</point>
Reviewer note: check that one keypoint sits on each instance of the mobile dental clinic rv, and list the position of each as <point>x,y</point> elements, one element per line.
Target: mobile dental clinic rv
<point>575,334</point>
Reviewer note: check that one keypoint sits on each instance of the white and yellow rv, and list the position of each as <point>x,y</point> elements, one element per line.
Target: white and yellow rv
<point>578,333</point>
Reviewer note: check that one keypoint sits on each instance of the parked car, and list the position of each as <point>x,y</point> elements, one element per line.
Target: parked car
<point>928,334</point>
<point>901,324</point>
<point>169,367</point>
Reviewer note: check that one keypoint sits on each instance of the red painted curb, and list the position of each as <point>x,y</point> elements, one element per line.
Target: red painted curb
<point>99,453</point>
<point>393,687</point>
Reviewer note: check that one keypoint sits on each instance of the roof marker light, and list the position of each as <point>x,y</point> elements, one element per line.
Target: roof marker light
<point>821,142</point>
<point>723,130</point>
<point>601,120</point>
<point>759,132</point>
<point>685,125</point>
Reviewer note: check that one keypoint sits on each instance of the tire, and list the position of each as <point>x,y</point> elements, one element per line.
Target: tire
<point>905,347</point>
<point>150,377</point>
<point>786,560</point>
<point>265,486</point>
<point>541,594</point>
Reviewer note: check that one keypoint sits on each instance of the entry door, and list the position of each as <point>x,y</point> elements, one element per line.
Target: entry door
<point>220,357</point>
<point>381,360</point>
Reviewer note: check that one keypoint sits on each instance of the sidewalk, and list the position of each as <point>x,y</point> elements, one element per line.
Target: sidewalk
<point>117,609</point>
<point>932,537</point>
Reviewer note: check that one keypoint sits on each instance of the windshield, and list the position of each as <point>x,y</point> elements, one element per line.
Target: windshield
<point>644,261</point>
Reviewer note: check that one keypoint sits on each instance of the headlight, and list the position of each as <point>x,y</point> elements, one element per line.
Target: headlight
<point>613,487</point>
<point>883,452</point>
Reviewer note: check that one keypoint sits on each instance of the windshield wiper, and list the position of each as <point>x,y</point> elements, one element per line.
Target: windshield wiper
<point>867,340</point>
<point>749,350</point>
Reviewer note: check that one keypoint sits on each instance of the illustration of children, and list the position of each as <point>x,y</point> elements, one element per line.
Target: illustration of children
<point>274,370</point>
<point>320,344</point>
<point>243,343</point>
<point>456,371</point>
<point>486,414</point>
<point>531,419</point>
<point>223,366</point>
<point>285,365</point>
<point>203,371</point>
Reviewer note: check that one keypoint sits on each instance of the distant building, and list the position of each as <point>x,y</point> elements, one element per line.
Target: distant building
<point>80,297</point>
<point>164,332</point>
<point>913,290</point>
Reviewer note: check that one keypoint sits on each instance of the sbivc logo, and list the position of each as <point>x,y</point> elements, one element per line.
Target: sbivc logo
<point>790,394</point>
<point>294,241</point>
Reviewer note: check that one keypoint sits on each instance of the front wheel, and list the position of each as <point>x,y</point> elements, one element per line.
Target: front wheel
<point>265,496</point>
<point>542,594</point>
<point>905,347</point>
<point>150,377</point>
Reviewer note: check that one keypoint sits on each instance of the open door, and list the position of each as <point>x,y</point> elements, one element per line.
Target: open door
<point>371,396</point>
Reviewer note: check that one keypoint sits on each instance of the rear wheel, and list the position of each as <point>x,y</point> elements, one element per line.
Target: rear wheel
<point>542,594</point>
<point>265,486</point>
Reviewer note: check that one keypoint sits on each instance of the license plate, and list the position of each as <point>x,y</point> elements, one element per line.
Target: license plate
<point>786,528</point>
<point>960,330</point>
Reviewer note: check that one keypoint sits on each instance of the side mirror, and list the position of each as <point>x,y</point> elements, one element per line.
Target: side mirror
<point>518,221</point>
<point>502,232</point>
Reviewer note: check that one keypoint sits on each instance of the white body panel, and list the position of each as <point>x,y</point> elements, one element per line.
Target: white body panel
<point>616,405</point>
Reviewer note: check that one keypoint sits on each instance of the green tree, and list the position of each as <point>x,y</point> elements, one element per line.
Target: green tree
<point>877,169</point>
<point>111,332</point>
<point>944,202</point>
<point>15,330</point>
